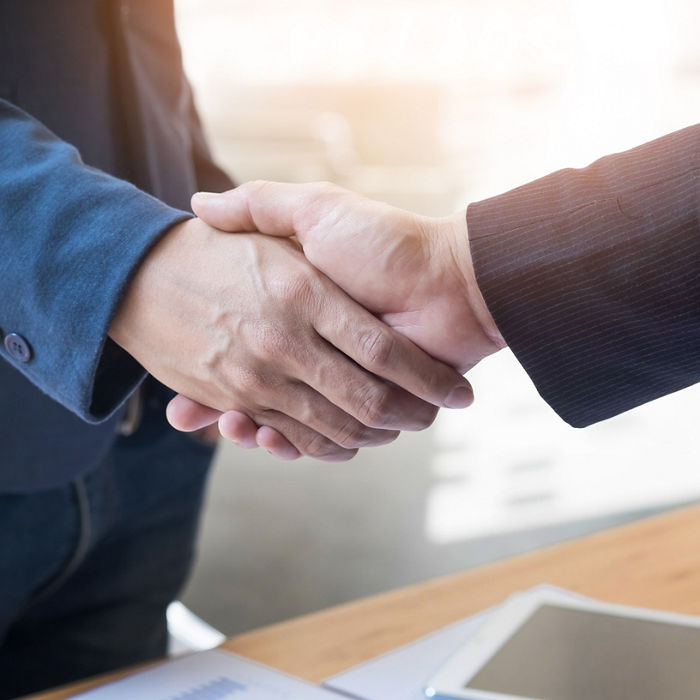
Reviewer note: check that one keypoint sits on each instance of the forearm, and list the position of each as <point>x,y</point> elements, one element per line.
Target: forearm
<point>593,277</point>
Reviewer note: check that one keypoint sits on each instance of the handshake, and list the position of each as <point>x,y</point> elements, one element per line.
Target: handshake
<point>308,320</point>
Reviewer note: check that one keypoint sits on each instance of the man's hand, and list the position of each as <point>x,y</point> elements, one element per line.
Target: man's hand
<point>414,272</point>
<point>245,323</point>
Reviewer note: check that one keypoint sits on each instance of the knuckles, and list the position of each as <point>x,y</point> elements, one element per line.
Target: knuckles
<point>320,447</point>
<point>350,435</point>
<point>354,435</point>
<point>297,287</point>
<point>377,348</point>
<point>381,407</point>
<point>271,344</point>
<point>249,383</point>
<point>376,408</point>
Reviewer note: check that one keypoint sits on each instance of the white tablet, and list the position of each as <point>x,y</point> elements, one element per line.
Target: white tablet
<point>545,645</point>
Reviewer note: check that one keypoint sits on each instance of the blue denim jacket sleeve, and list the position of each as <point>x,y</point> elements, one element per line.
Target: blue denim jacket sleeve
<point>70,239</point>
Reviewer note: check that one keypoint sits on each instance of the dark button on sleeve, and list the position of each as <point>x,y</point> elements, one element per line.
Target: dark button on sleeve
<point>18,348</point>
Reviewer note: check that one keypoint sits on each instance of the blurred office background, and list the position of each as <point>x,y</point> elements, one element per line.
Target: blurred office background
<point>431,105</point>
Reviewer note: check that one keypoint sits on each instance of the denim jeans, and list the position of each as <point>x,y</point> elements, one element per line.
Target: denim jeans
<point>87,570</point>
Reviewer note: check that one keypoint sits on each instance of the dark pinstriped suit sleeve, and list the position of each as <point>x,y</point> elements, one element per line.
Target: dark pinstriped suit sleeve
<point>593,277</point>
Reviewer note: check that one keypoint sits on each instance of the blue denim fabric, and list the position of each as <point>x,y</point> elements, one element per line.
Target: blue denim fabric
<point>87,570</point>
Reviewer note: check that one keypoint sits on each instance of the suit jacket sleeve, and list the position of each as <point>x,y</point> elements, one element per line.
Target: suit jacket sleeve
<point>70,238</point>
<point>593,277</point>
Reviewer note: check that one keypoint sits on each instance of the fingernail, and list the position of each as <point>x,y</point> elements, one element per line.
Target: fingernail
<point>460,397</point>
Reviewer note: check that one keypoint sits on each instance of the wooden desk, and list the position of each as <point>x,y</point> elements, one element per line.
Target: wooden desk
<point>653,563</point>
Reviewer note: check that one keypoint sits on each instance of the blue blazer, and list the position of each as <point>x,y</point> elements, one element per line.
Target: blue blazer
<point>100,151</point>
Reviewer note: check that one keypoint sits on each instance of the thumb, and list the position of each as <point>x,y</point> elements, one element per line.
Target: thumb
<point>274,208</point>
<point>267,207</point>
<point>228,211</point>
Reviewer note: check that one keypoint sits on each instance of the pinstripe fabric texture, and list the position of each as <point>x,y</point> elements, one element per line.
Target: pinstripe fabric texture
<point>593,277</point>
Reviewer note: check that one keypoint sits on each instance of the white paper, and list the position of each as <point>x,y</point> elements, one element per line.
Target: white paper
<point>402,674</point>
<point>209,675</point>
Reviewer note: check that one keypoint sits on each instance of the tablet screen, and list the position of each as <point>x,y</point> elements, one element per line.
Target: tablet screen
<point>568,654</point>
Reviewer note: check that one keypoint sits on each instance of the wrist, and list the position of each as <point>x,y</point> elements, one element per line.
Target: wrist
<point>456,233</point>
<point>151,285</point>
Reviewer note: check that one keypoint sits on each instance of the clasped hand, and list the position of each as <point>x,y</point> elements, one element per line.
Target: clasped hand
<point>413,273</point>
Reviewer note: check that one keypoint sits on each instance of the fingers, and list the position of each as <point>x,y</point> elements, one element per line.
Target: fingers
<point>282,436</point>
<point>301,374</point>
<point>270,207</point>
<point>336,397</point>
<point>239,428</point>
<point>324,414</point>
<point>307,442</point>
<point>187,415</point>
<point>276,444</point>
<point>386,353</point>
<point>344,352</point>
<point>354,410</point>
<point>344,402</point>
